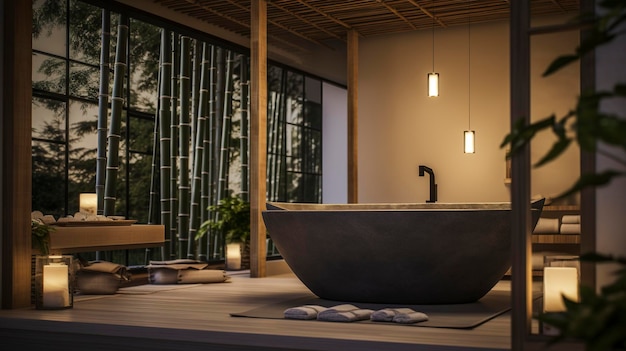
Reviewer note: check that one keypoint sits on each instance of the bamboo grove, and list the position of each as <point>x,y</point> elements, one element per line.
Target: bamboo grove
<point>200,88</point>
<point>160,125</point>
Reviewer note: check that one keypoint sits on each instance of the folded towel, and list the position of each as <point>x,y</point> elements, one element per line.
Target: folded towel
<point>409,318</point>
<point>570,219</point>
<point>547,226</point>
<point>570,228</point>
<point>341,308</point>
<point>387,314</point>
<point>201,276</point>
<point>304,312</point>
<point>344,313</point>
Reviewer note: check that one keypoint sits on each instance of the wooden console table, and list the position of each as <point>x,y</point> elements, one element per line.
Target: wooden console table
<point>73,239</point>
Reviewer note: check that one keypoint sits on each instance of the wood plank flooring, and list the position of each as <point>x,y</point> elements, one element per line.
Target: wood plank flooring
<point>196,317</point>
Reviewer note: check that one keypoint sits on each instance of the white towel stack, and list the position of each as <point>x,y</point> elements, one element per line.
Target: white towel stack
<point>398,315</point>
<point>570,224</point>
<point>344,313</point>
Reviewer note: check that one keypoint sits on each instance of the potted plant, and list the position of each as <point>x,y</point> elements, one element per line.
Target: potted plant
<point>598,319</point>
<point>232,218</point>
<point>40,236</point>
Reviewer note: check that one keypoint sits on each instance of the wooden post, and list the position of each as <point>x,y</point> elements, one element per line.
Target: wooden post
<point>16,166</point>
<point>521,278</point>
<point>258,135</point>
<point>353,101</point>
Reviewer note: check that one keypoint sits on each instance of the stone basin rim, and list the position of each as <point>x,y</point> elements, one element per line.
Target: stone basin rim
<point>291,206</point>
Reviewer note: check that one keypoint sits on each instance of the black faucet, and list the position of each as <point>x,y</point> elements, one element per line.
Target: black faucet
<point>433,186</point>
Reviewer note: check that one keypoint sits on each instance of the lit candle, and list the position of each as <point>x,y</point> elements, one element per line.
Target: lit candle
<point>88,203</point>
<point>55,285</point>
<point>233,256</point>
<point>559,282</point>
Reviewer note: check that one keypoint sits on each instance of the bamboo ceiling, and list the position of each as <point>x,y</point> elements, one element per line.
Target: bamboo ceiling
<point>323,22</point>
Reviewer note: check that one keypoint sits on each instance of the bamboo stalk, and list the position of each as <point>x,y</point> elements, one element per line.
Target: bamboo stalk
<point>224,157</point>
<point>184,130</point>
<point>117,104</point>
<point>174,146</point>
<point>244,143</point>
<point>207,159</point>
<point>216,237</point>
<point>196,187</point>
<point>165,139</point>
<point>153,204</point>
<point>103,108</point>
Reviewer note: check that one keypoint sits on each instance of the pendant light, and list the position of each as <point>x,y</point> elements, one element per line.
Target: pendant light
<point>469,136</point>
<point>433,77</point>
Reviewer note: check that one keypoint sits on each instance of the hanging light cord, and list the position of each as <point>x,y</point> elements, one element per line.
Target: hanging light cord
<point>433,29</point>
<point>469,68</point>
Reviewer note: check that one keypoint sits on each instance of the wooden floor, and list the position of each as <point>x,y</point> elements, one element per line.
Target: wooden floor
<point>196,317</point>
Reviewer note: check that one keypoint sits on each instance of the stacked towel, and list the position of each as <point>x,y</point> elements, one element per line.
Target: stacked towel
<point>344,313</point>
<point>570,228</point>
<point>398,315</point>
<point>304,312</point>
<point>571,219</point>
<point>570,224</point>
<point>547,226</point>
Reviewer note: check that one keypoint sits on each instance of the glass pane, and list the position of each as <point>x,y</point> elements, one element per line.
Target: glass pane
<point>141,133</point>
<point>294,98</point>
<point>294,187</point>
<point>274,78</point>
<point>294,146</point>
<point>84,81</point>
<point>48,178</point>
<point>49,26</point>
<point>313,115</point>
<point>145,42</point>
<point>312,186</point>
<point>48,73</point>
<point>313,107</point>
<point>85,32</point>
<point>48,118</point>
<point>82,150</point>
<point>140,174</point>
<point>313,151</point>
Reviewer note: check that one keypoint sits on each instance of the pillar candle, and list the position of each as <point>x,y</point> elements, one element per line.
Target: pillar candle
<point>55,285</point>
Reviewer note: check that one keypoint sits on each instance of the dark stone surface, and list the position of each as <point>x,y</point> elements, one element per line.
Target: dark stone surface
<point>404,256</point>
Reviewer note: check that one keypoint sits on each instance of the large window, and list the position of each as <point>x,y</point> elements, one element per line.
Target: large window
<point>67,85</point>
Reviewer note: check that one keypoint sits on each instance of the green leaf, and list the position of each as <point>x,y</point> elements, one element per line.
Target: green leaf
<point>591,180</point>
<point>521,134</point>
<point>559,63</point>
<point>557,149</point>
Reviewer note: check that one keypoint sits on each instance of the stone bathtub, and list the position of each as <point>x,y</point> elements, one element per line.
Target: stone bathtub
<point>435,253</point>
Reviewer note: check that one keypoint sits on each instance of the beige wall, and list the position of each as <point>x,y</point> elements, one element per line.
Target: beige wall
<point>401,128</point>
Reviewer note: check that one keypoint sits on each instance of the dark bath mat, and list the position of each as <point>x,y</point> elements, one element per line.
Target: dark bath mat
<point>456,316</point>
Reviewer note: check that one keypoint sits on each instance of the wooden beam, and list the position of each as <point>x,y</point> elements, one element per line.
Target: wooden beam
<point>427,13</point>
<point>323,13</point>
<point>521,275</point>
<point>16,153</point>
<point>258,135</point>
<point>588,162</point>
<point>353,102</point>
<point>398,14</point>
